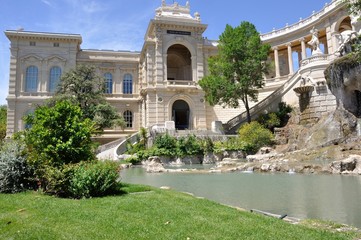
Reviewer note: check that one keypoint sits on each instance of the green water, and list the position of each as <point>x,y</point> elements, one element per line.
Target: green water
<point>328,197</point>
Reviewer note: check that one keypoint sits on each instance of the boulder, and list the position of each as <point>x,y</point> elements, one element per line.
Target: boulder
<point>352,165</point>
<point>265,167</point>
<point>154,165</point>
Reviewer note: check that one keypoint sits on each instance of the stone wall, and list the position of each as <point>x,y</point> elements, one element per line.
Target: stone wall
<point>317,103</point>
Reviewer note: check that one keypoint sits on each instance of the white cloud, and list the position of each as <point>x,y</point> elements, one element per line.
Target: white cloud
<point>46,2</point>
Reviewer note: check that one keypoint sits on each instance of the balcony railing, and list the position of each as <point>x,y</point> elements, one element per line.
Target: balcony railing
<point>181,83</point>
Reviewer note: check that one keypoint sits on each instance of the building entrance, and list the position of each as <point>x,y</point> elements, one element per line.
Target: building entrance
<point>180,114</point>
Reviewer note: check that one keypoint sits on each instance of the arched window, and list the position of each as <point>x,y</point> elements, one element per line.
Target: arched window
<point>128,118</point>
<point>54,78</point>
<point>128,84</point>
<point>108,83</point>
<point>31,79</point>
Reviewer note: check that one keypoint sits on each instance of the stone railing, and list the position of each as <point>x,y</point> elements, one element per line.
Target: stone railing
<point>181,83</point>
<point>317,58</point>
<point>303,22</point>
<point>230,126</point>
<point>37,94</point>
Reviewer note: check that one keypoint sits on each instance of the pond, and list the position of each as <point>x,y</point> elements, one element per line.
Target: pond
<point>328,197</point>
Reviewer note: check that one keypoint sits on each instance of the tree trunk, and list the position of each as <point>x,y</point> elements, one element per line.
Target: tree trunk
<point>247,109</point>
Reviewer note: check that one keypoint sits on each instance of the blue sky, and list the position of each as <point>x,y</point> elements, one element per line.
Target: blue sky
<point>121,24</point>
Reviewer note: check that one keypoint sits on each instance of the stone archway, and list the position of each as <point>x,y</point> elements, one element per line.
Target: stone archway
<point>181,114</point>
<point>179,63</point>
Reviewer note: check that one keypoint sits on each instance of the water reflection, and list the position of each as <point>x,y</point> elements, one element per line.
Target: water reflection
<point>328,197</point>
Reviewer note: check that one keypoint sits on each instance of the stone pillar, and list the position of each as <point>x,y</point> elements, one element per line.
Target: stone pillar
<point>290,59</point>
<point>303,48</point>
<point>159,63</point>
<point>277,63</point>
<point>200,61</point>
<point>165,67</point>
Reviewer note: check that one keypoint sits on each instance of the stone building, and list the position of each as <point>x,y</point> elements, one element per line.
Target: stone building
<point>160,83</point>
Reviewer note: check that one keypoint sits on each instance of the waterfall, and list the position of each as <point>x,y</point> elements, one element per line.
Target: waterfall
<point>358,127</point>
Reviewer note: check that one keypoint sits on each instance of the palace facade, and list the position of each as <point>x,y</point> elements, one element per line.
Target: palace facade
<point>160,83</point>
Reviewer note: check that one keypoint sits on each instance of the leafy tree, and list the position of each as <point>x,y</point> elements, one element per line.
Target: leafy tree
<point>86,89</point>
<point>59,135</point>
<point>3,115</point>
<point>354,6</point>
<point>236,72</point>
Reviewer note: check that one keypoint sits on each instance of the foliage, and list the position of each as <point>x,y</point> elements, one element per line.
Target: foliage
<point>236,73</point>
<point>207,145</point>
<point>3,115</point>
<point>85,179</point>
<point>232,144</point>
<point>94,179</point>
<point>189,146</point>
<point>141,143</point>
<point>276,119</point>
<point>59,135</point>
<point>167,143</point>
<point>85,88</point>
<point>354,6</point>
<point>255,135</point>
<point>15,173</point>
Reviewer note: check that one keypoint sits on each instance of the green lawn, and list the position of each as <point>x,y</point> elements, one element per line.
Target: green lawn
<point>155,214</point>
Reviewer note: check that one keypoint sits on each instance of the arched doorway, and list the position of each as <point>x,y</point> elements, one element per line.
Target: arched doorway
<point>180,114</point>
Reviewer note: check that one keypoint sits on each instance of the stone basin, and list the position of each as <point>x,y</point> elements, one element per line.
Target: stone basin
<point>303,89</point>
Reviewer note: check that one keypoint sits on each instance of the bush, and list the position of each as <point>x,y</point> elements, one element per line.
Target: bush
<point>255,136</point>
<point>232,144</point>
<point>83,180</point>
<point>15,174</point>
<point>59,135</point>
<point>276,119</point>
<point>189,146</point>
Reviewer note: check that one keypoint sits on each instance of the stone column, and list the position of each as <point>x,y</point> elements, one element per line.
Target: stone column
<point>303,48</point>
<point>277,63</point>
<point>290,59</point>
<point>159,63</point>
<point>165,67</point>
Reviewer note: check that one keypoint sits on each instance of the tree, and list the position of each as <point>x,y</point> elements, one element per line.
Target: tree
<point>59,135</point>
<point>354,6</point>
<point>3,114</point>
<point>236,72</point>
<point>86,89</point>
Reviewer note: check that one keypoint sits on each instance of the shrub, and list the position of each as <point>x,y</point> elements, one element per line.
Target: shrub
<point>232,144</point>
<point>188,146</point>
<point>255,135</point>
<point>59,135</point>
<point>15,174</point>
<point>269,121</point>
<point>94,179</point>
<point>165,141</point>
<point>83,180</point>
<point>276,119</point>
<point>207,145</point>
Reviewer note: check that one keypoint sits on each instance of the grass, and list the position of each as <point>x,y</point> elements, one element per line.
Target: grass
<point>146,213</point>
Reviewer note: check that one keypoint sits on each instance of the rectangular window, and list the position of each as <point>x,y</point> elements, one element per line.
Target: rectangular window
<point>56,44</point>
<point>32,43</point>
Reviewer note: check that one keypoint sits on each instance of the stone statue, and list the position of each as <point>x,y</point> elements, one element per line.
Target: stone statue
<point>315,42</point>
<point>344,41</point>
<point>163,3</point>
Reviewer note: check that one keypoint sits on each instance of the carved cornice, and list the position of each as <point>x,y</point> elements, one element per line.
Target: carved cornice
<point>304,23</point>
<point>57,37</point>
